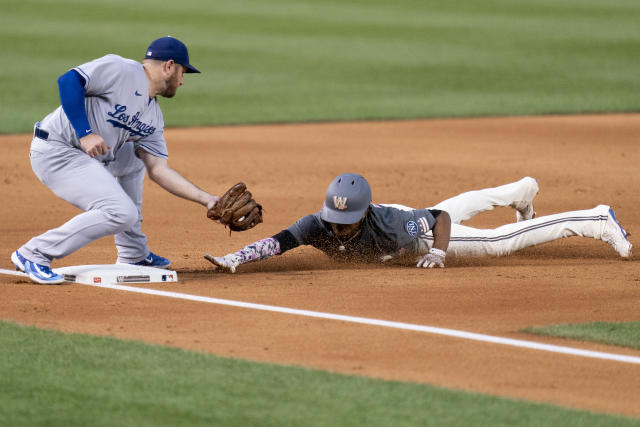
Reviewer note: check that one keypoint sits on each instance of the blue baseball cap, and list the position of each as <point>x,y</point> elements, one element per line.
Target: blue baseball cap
<point>166,48</point>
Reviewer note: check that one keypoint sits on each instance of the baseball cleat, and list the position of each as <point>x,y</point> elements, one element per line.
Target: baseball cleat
<point>18,260</point>
<point>616,236</point>
<point>524,208</point>
<point>37,272</point>
<point>152,260</point>
<point>42,274</point>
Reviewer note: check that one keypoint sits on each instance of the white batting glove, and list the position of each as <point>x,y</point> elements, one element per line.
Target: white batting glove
<point>435,258</point>
<point>228,262</point>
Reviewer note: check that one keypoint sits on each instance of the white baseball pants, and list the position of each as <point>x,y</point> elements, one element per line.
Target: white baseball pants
<point>469,241</point>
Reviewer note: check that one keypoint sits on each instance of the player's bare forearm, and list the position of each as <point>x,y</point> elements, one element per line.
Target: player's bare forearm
<point>171,180</point>
<point>442,231</point>
<point>441,236</point>
<point>176,184</point>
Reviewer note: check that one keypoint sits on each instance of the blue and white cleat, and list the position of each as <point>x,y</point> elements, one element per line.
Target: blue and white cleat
<point>37,272</point>
<point>18,260</point>
<point>153,260</point>
<point>616,236</point>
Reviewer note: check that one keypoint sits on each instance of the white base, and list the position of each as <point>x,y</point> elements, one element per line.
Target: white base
<point>109,274</point>
<point>115,274</point>
<point>12,272</point>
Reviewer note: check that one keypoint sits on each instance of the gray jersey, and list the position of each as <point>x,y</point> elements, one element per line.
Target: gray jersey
<point>385,230</point>
<point>118,107</point>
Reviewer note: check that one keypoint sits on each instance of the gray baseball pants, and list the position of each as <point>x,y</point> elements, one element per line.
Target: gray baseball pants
<point>110,196</point>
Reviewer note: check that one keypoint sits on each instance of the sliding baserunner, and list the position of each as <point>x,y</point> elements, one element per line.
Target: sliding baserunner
<point>350,227</point>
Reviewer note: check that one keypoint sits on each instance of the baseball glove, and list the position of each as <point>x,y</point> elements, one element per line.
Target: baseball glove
<point>236,209</point>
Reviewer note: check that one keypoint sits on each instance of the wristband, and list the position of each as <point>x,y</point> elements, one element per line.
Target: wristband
<point>438,252</point>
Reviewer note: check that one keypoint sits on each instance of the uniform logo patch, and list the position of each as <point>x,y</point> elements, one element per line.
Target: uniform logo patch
<point>412,228</point>
<point>340,202</point>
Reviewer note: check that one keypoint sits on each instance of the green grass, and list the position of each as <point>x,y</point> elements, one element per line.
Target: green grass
<point>625,334</point>
<point>308,60</point>
<point>53,379</point>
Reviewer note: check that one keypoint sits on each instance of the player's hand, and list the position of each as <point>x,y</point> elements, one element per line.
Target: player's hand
<point>435,258</point>
<point>211,202</point>
<point>94,145</point>
<point>228,262</point>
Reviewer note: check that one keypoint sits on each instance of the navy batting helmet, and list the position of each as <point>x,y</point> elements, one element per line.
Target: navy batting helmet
<point>347,199</point>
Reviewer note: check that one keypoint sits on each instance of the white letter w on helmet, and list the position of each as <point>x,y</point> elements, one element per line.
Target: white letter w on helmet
<point>340,202</point>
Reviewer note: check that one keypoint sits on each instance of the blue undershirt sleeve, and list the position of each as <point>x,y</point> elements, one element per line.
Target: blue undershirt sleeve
<point>72,94</point>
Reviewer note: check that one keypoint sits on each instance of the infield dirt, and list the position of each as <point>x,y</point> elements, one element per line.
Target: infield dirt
<point>580,162</point>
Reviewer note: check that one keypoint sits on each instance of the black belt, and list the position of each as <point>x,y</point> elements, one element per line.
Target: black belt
<point>41,133</point>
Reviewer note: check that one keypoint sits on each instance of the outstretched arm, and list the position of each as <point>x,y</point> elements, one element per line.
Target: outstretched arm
<point>441,236</point>
<point>255,251</point>
<point>162,174</point>
<point>262,249</point>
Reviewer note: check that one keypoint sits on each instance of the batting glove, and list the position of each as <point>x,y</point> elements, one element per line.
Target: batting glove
<point>228,262</point>
<point>435,258</point>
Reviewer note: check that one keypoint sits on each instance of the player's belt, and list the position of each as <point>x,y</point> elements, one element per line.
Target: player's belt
<point>41,133</point>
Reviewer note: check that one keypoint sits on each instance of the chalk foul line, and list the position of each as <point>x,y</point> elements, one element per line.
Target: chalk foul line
<point>385,323</point>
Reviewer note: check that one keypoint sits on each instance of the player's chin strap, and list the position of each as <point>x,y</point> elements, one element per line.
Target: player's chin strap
<point>341,248</point>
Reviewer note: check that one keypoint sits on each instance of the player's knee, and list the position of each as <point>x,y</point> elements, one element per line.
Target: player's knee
<point>122,215</point>
<point>129,215</point>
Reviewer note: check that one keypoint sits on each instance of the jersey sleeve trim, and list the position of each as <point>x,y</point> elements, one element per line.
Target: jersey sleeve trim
<point>84,76</point>
<point>152,150</point>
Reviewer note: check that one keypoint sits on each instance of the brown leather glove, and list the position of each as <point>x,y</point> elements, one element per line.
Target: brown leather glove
<point>237,209</point>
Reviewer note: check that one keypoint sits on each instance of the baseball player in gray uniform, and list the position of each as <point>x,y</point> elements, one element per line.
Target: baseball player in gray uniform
<point>93,151</point>
<point>350,227</point>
